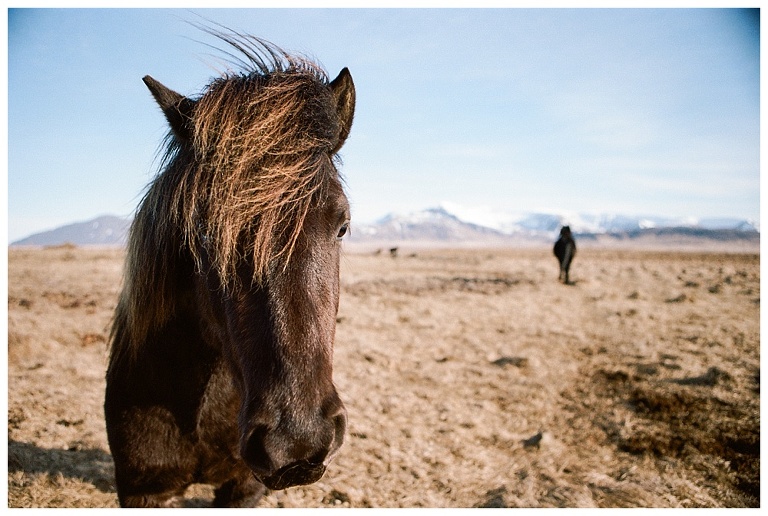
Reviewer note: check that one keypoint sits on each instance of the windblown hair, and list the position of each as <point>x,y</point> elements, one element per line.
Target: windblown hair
<point>258,157</point>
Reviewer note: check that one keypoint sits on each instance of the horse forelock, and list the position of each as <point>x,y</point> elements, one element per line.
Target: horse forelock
<point>261,155</point>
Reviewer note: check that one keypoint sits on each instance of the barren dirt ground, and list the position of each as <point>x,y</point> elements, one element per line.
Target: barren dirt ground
<point>472,379</point>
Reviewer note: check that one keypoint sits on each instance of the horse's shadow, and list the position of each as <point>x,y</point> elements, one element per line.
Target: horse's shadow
<point>91,465</point>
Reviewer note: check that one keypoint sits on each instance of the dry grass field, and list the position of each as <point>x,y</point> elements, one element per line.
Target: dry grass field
<point>472,379</point>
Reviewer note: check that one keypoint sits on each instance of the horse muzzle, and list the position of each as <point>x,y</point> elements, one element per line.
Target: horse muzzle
<point>280,458</point>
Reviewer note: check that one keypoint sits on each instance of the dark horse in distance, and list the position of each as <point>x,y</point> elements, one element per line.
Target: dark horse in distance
<point>220,369</point>
<point>565,250</point>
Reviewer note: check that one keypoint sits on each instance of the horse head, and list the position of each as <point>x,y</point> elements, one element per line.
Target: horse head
<point>262,216</point>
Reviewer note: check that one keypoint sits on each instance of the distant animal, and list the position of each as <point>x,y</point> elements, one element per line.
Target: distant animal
<point>533,441</point>
<point>565,250</point>
<point>393,252</point>
<point>220,367</point>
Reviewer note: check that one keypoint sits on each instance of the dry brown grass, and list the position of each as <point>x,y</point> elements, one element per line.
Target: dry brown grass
<point>472,379</point>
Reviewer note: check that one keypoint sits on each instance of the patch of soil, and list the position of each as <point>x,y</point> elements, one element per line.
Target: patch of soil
<point>684,419</point>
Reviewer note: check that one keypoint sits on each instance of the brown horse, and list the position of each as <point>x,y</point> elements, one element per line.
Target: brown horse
<point>565,250</point>
<point>220,369</point>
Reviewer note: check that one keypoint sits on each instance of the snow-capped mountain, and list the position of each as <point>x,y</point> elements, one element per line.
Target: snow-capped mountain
<point>434,224</point>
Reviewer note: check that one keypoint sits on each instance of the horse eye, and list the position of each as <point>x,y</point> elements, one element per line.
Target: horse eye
<point>342,231</point>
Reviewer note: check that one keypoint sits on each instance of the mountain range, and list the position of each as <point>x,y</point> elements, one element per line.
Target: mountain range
<point>107,230</point>
<point>450,223</point>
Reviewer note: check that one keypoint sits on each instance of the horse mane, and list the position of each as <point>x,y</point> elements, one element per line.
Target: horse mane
<point>242,186</point>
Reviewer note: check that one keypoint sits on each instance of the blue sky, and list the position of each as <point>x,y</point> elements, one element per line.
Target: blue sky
<point>643,111</point>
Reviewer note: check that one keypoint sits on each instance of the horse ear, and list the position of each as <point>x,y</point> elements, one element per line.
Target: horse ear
<point>344,92</point>
<point>176,107</point>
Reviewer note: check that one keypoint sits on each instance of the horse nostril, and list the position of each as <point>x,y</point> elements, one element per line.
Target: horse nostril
<point>255,454</point>
<point>340,424</point>
<point>339,429</point>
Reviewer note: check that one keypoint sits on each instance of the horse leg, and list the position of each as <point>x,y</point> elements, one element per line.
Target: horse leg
<point>154,464</point>
<point>239,492</point>
<point>154,490</point>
